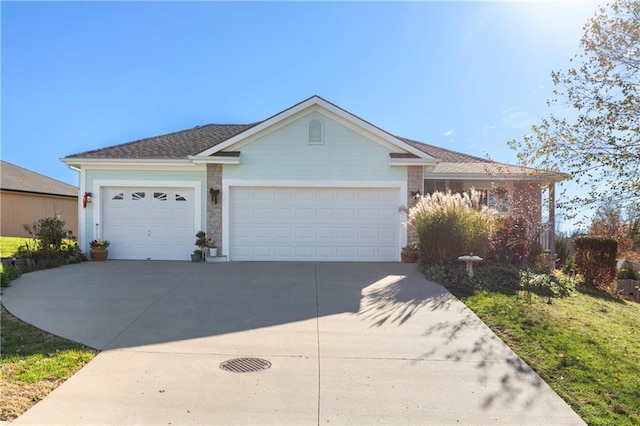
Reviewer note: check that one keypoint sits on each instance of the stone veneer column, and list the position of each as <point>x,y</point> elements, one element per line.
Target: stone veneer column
<point>214,211</point>
<point>414,183</point>
<point>415,176</point>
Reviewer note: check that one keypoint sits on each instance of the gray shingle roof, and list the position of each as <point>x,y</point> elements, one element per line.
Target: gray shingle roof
<point>16,178</point>
<point>184,143</point>
<point>176,145</point>
<point>444,155</point>
<point>179,145</point>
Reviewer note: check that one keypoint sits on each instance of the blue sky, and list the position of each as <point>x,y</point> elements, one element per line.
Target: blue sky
<point>467,76</point>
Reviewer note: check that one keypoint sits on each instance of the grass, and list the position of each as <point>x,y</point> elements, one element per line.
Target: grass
<point>585,346</point>
<point>9,245</point>
<point>33,363</point>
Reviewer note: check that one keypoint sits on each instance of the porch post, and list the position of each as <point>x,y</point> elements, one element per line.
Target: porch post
<point>552,225</point>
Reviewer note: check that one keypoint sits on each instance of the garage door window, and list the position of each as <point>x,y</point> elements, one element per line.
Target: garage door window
<point>118,197</point>
<point>180,198</point>
<point>137,196</point>
<point>160,196</point>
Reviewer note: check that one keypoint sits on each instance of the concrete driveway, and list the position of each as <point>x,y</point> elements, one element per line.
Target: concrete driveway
<point>349,343</point>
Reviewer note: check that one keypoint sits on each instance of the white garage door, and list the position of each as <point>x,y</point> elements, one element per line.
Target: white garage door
<point>149,223</point>
<point>325,224</point>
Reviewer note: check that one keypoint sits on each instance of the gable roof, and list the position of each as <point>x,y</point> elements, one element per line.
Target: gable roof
<point>217,140</point>
<point>16,178</point>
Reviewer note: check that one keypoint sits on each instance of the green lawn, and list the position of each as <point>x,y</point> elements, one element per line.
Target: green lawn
<point>33,363</point>
<point>8,245</point>
<point>585,346</point>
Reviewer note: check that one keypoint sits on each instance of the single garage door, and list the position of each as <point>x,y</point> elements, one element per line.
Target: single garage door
<point>149,223</point>
<point>323,224</point>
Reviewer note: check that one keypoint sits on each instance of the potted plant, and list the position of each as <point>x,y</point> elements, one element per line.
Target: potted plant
<point>206,245</point>
<point>213,250</point>
<point>99,249</point>
<point>196,256</point>
<point>409,254</point>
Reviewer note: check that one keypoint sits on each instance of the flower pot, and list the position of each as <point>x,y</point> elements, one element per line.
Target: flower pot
<point>409,255</point>
<point>213,251</point>
<point>196,257</point>
<point>99,253</point>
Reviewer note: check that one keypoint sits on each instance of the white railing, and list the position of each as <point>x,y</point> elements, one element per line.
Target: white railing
<point>546,234</point>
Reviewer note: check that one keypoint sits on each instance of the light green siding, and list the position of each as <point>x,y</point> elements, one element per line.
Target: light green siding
<point>285,154</point>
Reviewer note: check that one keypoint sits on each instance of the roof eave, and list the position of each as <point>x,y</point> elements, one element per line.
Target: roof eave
<point>198,159</point>
<point>78,162</point>
<point>413,162</point>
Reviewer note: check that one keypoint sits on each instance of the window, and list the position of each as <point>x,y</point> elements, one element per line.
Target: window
<point>180,198</point>
<point>137,196</point>
<point>316,132</point>
<point>498,199</point>
<point>160,196</point>
<point>118,197</point>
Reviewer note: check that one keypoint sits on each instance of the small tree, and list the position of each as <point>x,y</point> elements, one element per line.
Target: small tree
<point>595,260</point>
<point>49,233</point>
<point>599,146</point>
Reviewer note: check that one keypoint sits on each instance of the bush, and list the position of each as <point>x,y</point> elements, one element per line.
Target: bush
<point>447,226</point>
<point>509,239</point>
<point>563,253</point>
<point>627,272</point>
<point>9,273</point>
<point>49,231</point>
<point>595,260</point>
<point>499,278</point>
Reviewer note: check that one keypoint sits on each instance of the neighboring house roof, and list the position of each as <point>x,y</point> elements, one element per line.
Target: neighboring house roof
<point>16,178</point>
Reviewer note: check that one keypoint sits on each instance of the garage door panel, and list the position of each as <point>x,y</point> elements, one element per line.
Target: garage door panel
<point>367,252</point>
<point>284,195</point>
<point>367,214</point>
<point>304,214</point>
<point>386,215</point>
<point>304,194</point>
<point>367,233</point>
<point>325,232</point>
<point>305,252</point>
<point>283,214</point>
<point>346,195</point>
<point>282,233</point>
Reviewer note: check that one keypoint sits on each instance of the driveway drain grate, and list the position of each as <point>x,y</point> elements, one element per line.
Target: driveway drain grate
<point>245,365</point>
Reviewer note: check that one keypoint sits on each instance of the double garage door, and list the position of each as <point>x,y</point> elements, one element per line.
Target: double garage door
<point>325,224</point>
<point>265,223</point>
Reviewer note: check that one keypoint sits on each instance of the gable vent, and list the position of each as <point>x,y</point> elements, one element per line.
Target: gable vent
<point>316,132</point>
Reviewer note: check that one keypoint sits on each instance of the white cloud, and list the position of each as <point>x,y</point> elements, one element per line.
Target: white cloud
<point>489,127</point>
<point>448,133</point>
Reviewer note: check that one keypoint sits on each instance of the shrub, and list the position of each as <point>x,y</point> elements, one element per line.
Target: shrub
<point>49,231</point>
<point>503,278</point>
<point>627,272</point>
<point>595,260</point>
<point>447,226</point>
<point>499,278</point>
<point>9,273</point>
<point>563,253</point>
<point>509,239</point>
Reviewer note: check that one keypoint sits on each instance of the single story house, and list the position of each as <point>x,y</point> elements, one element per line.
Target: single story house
<point>313,182</point>
<point>26,197</point>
